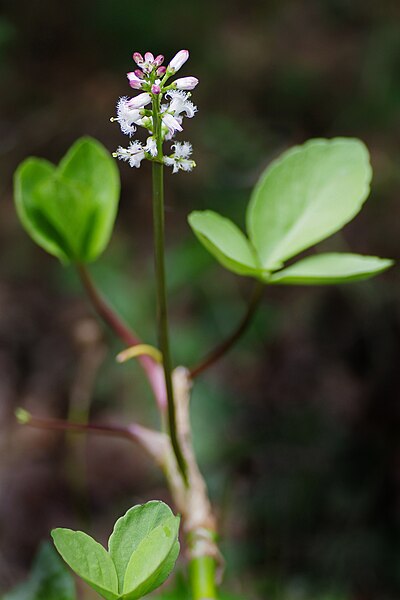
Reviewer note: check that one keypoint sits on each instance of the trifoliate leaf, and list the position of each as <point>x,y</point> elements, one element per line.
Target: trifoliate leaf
<point>89,560</point>
<point>152,561</point>
<point>69,210</point>
<point>224,240</point>
<point>131,529</point>
<point>331,268</point>
<point>307,194</point>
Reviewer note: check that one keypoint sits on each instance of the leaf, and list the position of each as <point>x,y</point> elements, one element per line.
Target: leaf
<point>69,210</point>
<point>307,194</point>
<point>49,579</point>
<point>331,268</point>
<point>89,560</point>
<point>131,529</point>
<point>152,561</point>
<point>88,164</point>
<point>29,180</point>
<point>224,240</point>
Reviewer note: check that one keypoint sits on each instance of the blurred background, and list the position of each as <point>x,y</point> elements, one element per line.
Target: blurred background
<point>297,429</point>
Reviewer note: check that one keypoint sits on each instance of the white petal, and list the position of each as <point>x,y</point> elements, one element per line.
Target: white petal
<point>171,123</point>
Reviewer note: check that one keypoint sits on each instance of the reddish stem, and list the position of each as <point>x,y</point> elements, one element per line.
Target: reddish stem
<point>153,370</point>
<point>156,444</point>
<point>61,425</point>
<point>230,341</point>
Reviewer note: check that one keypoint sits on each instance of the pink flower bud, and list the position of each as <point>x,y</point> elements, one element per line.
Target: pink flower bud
<point>159,60</point>
<point>155,88</point>
<point>134,81</point>
<point>138,58</point>
<point>186,83</point>
<point>139,73</point>
<point>161,71</point>
<point>179,59</point>
<point>139,101</point>
<point>149,57</point>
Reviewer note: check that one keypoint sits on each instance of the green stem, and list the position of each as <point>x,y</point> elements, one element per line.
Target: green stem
<point>162,313</point>
<point>202,578</point>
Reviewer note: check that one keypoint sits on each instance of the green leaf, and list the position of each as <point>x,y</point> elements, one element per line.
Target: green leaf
<point>30,179</point>
<point>89,560</point>
<point>131,529</point>
<point>224,240</point>
<point>307,194</point>
<point>69,210</point>
<point>152,561</point>
<point>331,268</point>
<point>49,579</point>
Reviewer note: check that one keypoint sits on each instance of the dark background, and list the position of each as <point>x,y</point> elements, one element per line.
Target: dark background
<point>298,428</point>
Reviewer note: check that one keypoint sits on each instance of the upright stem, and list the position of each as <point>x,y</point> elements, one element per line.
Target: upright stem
<point>202,578</point>
<point>162,313</point>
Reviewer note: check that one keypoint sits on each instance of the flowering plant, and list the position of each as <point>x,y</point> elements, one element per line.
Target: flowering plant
<point>307,194</point>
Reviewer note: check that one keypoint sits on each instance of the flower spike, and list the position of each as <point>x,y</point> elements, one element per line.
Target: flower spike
<point>170,103</point>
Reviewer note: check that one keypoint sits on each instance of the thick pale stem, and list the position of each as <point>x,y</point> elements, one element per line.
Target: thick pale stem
<point>192,500</point>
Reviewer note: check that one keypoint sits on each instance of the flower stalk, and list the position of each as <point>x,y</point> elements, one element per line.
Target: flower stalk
<point>160,108</point>
<point>162,311</point>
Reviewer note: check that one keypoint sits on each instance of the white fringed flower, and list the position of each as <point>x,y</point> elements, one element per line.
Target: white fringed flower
<point>179,161</point>
<point>180,103</point>
<point>134,154</point>
<point>127,117</point>
<point>151,146</point>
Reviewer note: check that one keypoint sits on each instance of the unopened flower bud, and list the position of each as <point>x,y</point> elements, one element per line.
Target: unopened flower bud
<point>186,83</point>
<point>139,101</point>
<point>155,88</point>
<point>138,58</point>
<point>161,71</point>
<point>134,81</point>
<point>179,59</point>
<point>159,60</point>
<point>139,73</point>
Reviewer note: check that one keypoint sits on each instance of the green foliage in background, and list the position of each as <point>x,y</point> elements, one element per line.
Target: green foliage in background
<point>306,195</point>
<point>48,580</point>
<point>143,549</point>
<point>70,210</point>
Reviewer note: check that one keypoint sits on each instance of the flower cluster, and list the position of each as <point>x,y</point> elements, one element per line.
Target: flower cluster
<point>159,108</point>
